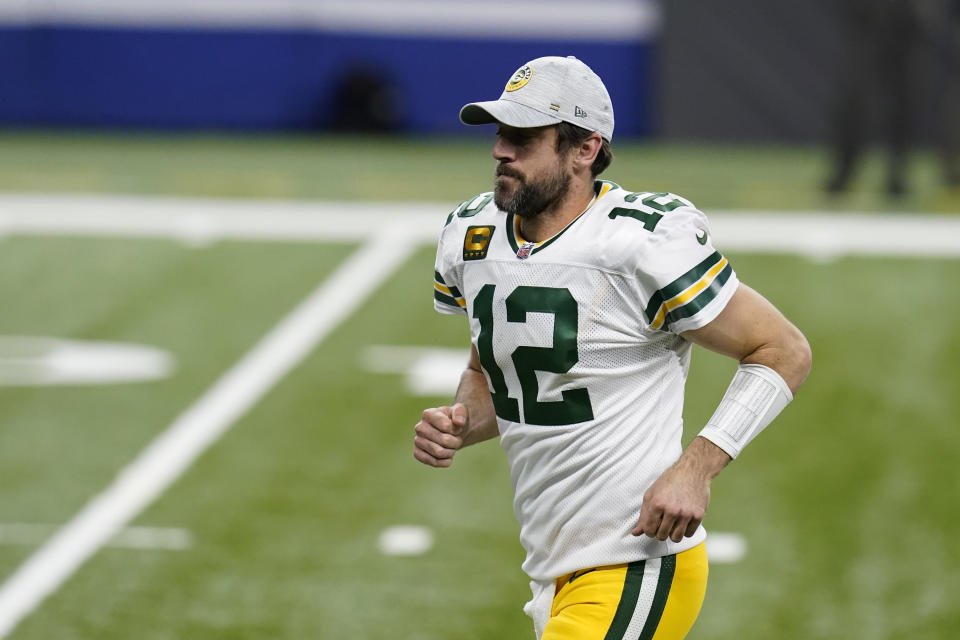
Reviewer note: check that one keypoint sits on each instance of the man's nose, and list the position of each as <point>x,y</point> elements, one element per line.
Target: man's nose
<point>503,151</point>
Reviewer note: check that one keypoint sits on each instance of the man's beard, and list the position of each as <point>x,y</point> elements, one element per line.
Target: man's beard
<point>530,199</point>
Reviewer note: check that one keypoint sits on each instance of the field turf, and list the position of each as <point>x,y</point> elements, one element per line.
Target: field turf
<point>848,503</point>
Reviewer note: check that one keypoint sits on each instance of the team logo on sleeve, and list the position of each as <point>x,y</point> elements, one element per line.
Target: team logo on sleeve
<point>476,242</point>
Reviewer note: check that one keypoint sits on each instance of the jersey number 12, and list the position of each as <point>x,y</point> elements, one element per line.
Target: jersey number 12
<point>575,405</point>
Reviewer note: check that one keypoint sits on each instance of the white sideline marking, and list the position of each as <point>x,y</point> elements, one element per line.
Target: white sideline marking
<point>162,538</point>
<point>822,235</point>
<point>199,222</point>
<point>405,540</point>
<point>427,371</point>
<point>725,548</point>
<point>173,451</point>
<point>42,361</point>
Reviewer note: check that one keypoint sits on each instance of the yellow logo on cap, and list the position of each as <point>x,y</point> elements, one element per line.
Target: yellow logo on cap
<point>520,78</point>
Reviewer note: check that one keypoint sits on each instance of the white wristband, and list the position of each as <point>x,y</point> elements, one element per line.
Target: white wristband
<point>754,398</point>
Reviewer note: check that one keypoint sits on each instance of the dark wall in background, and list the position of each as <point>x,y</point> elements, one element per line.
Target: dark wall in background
<point>765,71</point>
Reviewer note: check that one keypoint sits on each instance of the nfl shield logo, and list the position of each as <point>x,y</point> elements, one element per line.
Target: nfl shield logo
<point>524,251</point>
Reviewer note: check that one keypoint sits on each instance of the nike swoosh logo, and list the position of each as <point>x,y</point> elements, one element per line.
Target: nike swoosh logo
<point>702,239</point>
<point>583,572</point>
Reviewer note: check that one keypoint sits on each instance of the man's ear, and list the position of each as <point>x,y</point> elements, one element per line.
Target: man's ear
<point>587,151</point>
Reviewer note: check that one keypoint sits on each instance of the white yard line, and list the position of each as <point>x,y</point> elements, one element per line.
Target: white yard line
<point>202,221</point>
<point>827,235</point>
<point>207,220</point>
<point>175,450</point>
<point>725,547</point>
<point>160,538</point>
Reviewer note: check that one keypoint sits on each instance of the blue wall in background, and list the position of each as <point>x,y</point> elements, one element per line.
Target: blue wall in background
<point>277,79</point>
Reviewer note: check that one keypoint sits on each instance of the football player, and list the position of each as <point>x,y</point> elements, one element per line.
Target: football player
<point>584,299</point>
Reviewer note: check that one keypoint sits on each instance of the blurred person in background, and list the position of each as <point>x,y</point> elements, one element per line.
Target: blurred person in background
<point>882,37</point>
<point>951,103</point>
<point>584,300</point>
<point>366,100</point>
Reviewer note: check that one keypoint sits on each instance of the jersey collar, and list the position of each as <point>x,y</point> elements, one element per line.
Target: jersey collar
<point>600,189</point>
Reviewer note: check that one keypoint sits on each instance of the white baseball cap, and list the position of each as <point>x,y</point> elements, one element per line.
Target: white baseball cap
<point>548,91</point>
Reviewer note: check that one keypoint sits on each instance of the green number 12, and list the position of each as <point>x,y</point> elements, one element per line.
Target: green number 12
<point>575,405</point>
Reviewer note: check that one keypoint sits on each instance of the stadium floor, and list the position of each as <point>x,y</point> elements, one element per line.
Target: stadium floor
<point>846,506</point>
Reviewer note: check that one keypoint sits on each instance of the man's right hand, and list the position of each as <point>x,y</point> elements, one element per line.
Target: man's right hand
<point>439,434</point>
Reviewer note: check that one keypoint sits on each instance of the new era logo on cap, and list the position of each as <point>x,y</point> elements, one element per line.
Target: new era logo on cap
<point>548,91</point>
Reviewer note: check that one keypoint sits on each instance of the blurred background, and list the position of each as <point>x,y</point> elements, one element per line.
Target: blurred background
<point>216,220</point>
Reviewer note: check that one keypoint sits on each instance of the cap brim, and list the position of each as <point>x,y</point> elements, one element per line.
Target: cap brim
<point>506,112</point>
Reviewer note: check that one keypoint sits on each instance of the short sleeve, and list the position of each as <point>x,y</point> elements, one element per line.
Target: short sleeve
<point>689,280</point>
<point>447,291</point>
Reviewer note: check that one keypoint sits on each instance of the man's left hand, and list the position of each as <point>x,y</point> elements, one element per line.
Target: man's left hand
<point>675,504</point>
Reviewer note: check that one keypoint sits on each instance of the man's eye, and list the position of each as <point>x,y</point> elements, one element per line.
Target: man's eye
<point>517,139</point>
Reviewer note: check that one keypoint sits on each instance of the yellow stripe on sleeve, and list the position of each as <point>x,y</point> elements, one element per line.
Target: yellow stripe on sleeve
<point>688,295</point>
<point>446,292</point>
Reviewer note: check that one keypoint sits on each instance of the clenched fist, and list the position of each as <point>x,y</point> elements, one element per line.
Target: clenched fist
<point>439,434</point>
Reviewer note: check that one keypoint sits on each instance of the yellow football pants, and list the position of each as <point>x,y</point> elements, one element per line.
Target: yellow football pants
<point>656,599</point>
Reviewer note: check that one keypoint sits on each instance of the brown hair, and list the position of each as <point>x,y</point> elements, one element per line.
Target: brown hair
<point>570,136</point>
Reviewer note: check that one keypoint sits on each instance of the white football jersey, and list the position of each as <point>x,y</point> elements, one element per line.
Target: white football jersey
<point>578,340</point>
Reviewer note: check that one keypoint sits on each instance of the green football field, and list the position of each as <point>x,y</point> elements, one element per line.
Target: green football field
<point>847,505</point>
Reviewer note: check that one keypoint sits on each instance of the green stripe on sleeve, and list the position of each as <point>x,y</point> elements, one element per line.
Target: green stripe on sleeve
<point>628,601</point>
<point>668,564</point>
<point>439,278</point>
<point>680,284</point>
<point>447,300</point>
<point>704,298</point>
